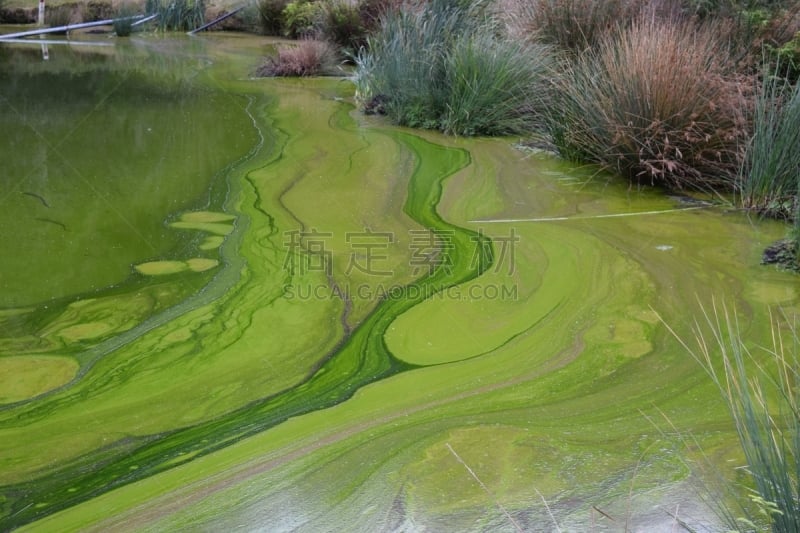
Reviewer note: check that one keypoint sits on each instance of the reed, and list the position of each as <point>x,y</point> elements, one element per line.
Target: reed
<point>444,66</point>
<point>177,15</point>
<point>573,25</point>
<point>761,388</point>
<point>769,176</point>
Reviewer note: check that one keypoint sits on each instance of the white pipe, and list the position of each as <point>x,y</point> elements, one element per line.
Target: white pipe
<point>216,20</point>
<point>69,27</point>
<point>56,41</point>
<point>142,21</point>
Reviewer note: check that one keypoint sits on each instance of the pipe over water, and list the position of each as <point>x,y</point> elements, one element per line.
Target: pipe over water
<point>69,27</point>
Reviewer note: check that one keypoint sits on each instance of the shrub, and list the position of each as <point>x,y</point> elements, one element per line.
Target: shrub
<point>340,23</point>
<point>307,58</point>
<point>300,19</point>
<point>247,20</point>
<point>759,27</point>
<point>781,38</point>
<point>271,16</point>
<point>654,104</point>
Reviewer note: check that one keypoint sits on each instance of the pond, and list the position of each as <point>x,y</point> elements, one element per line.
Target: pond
<point>230,302</point>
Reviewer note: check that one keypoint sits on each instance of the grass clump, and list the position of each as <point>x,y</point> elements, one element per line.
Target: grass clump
<point>307,58</point>
<point>177,15</point>
<point>771,170</point>
<point>57,16</point>
<point>762,392</point>
<point>574,25</point>
<point>123,19</point>
<point>372,12</point>
<point>443,66</point>
<point>656,103</point>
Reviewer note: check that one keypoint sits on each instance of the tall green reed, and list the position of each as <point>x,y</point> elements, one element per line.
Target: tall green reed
<point>762,391</point>
<point>177,15</point>
<point>771,170</point>
<point>445,66</point>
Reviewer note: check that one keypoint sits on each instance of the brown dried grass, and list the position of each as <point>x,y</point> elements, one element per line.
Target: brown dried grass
<point>570,24</point>
<point>658,103</point>
<point>307,58</point>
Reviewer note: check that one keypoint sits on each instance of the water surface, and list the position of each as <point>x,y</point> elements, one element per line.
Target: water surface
<point>231,301</point>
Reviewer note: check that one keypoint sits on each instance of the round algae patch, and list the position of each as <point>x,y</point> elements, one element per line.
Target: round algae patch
<point>23,377</point>
<point>88,330</point>
<point>206,216</point>
<point>201,264</point>
<point>160,268</point>
<point>217,228</point>
<point>212,242</point>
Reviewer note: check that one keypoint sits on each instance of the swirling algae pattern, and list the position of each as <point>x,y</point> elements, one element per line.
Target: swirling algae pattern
<point>439,405</point>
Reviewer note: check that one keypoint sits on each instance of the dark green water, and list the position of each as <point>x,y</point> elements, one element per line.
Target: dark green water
<point>98,150</point>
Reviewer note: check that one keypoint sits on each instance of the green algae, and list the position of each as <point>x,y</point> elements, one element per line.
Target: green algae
<point>356,362</point>
<point>161,268</point>
<point>206,216</point>
<point>211,227</point>
<point>264,396</point>
<point>201,264</point>
<point>211,242</point>
<point>24,377</point>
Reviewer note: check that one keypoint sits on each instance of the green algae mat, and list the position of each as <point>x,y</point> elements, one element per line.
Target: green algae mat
<point>229,302</point>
